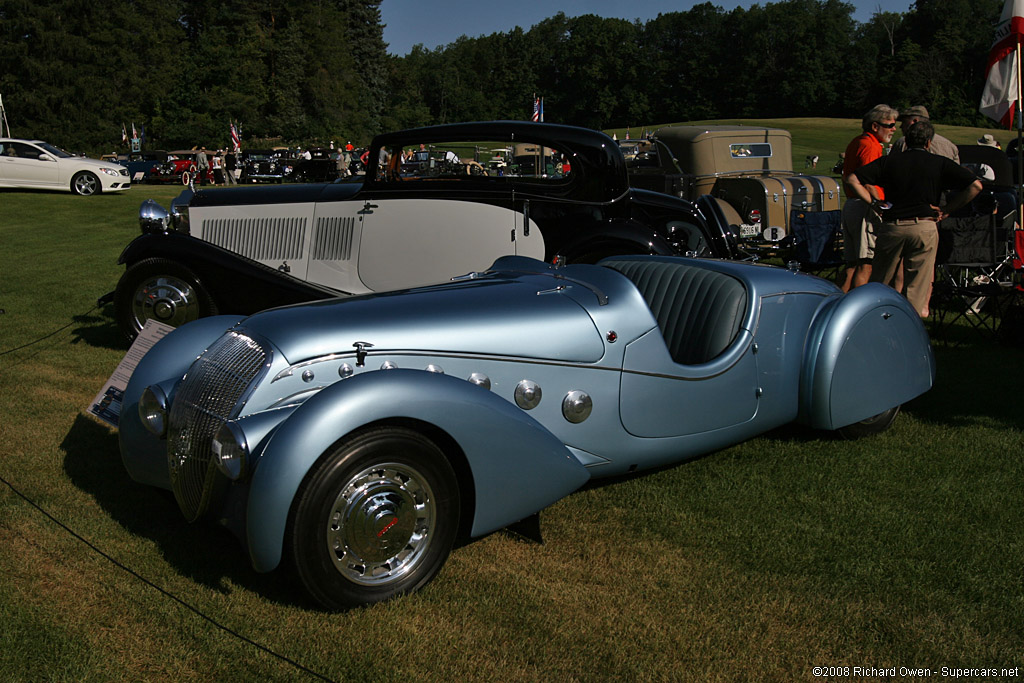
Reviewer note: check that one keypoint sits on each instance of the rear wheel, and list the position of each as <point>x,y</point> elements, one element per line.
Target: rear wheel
<point>872,425</point>
<point>85,184</point>
<point>161,290</point>
<point>374,519</point>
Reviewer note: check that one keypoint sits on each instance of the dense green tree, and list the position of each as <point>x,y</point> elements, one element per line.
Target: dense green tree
<point>311,71</point>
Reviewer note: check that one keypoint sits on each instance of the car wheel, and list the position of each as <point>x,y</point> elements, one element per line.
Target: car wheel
<point>85,184</point>
<point>872,425</point>
<point>375,518</point>
<point>161,290</point>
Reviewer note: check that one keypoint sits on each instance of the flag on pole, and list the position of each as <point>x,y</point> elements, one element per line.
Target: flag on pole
<point>236,143</point>
<point>124,135</point>
<point>536,108</point>
<point>1002,78</point>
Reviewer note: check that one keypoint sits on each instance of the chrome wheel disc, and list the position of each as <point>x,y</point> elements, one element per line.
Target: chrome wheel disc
<point>167,299</point>
<point>381,524</point>
<point>86,184</point>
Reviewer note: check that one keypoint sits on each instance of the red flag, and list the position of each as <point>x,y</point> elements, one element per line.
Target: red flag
<point>1001,78</point>
<point>235,142</point>
<point>536,108</point>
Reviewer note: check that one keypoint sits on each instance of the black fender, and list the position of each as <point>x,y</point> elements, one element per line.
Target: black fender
<point>237,284</point>
<point>614,239</point>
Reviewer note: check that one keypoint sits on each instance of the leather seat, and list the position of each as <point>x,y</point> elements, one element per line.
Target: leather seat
<point>699,311</point>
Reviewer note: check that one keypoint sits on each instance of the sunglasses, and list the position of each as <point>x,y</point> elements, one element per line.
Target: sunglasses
<point>887,125</point>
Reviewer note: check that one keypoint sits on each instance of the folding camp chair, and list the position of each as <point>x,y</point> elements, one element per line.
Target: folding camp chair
<point>975,277</point>
<point>819,241</point>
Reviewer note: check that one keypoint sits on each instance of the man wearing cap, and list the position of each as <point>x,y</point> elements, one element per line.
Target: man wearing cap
<point>859,219</point>
<point>913,182</point>
<point>940,145</point>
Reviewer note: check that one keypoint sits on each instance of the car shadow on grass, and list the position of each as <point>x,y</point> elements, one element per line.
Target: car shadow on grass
<point>203,552</point>
<point>98,329</point>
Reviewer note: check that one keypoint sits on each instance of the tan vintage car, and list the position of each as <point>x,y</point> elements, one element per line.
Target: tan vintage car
<point>748,169</point>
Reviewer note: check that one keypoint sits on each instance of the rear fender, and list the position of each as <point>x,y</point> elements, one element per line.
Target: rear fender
<point>866,352</point>
<point>518,467</point>
<point>143,453</point>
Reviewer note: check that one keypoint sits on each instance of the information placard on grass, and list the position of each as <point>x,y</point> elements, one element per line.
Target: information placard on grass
<point>107,405</point>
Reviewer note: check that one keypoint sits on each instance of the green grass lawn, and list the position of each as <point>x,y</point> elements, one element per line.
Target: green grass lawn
<point>760,562</point>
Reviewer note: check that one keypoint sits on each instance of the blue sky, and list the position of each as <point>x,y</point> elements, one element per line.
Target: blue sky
<point>439,22</point>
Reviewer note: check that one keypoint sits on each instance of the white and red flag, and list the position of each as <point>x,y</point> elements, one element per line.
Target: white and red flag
<point>536,108</point>
<point>235,142</point>
<point>1002,78</point>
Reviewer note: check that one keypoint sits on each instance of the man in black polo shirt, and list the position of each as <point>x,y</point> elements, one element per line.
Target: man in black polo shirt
<point>913,182</point>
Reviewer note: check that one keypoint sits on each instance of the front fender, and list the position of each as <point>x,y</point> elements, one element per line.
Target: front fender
<point>238,284</point>
<point>518,467</point>
<point>143,453</point>
<point>866,352</point>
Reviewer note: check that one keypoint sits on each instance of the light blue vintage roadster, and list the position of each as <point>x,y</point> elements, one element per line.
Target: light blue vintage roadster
<point>356,439</point>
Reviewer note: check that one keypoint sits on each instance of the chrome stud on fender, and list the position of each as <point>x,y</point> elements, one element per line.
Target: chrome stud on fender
<point>577,406</point>
<point>435,368</point>
<point>528,394</point>
<point>345,371</point>
<point>388,365</point>
<point>481,380</point>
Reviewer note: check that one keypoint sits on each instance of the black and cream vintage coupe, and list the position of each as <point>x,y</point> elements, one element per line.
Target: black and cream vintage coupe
<point>434,203</point>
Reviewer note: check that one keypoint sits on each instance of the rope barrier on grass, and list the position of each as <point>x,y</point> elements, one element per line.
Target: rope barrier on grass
<point>44,338</point>
<point>165,593</point>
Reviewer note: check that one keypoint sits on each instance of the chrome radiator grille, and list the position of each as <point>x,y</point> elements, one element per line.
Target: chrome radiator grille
<point>209,395</point>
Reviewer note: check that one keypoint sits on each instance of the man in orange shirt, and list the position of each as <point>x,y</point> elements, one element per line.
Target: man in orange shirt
<point>859,219</point>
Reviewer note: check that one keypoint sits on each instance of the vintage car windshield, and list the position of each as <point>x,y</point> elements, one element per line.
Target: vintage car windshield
<point>478,159</point>
<point>751,150</point>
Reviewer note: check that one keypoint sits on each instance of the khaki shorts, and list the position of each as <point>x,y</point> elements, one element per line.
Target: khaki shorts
<point>860,225</point>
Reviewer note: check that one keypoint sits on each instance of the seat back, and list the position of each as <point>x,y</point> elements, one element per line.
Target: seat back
<point>699,311</point>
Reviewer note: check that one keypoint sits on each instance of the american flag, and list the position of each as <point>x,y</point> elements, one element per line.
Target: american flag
<point>236,143</point>
<point>538,109</point>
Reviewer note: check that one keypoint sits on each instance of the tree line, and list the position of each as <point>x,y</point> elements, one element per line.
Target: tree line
<point>311,71</point>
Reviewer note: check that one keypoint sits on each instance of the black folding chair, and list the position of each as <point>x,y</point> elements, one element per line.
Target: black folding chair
<point>818,239</point>
<point>975,279</point>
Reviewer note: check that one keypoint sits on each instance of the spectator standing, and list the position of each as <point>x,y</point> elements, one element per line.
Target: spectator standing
<point>913,182</point>
<point>940,145</point>
<point>217,165</point>
<point>230,168</point>
<point>860,221</point>
<point>202,165</point>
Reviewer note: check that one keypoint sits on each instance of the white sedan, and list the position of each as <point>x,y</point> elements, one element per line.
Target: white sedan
<point>39,165</point>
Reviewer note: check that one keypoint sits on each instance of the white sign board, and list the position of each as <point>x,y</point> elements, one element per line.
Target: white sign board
<point>107,404</point>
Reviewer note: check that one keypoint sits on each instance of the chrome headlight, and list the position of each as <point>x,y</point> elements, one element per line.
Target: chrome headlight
<point>111,171</point>
<point>153,410</point>
<point>231,451</point>
<point>153,217</point>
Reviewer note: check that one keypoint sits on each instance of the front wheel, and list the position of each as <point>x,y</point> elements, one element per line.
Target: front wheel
<point>85,184</point>
<point>375,518</point>
<point>161,290</point>
<point>872,425</point>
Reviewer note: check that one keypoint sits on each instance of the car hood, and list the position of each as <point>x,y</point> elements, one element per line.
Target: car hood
<point>81,162</point>
<point>283,194</point>
<point>496,315</point>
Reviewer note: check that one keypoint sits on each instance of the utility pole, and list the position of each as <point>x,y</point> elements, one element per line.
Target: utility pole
<point>5,128</point>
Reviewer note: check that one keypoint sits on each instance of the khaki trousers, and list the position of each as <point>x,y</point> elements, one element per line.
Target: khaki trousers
<point>914,240</point>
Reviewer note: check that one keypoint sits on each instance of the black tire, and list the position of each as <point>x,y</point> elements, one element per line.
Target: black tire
<point>162,290</point>
<point>374,519</point>
<point>872,425</point>
<point>85,184</point>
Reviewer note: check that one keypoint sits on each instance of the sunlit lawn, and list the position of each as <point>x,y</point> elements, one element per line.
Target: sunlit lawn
<point>787,552</point>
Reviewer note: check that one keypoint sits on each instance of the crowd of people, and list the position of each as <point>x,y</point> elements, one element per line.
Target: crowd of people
<point>895,201</point>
